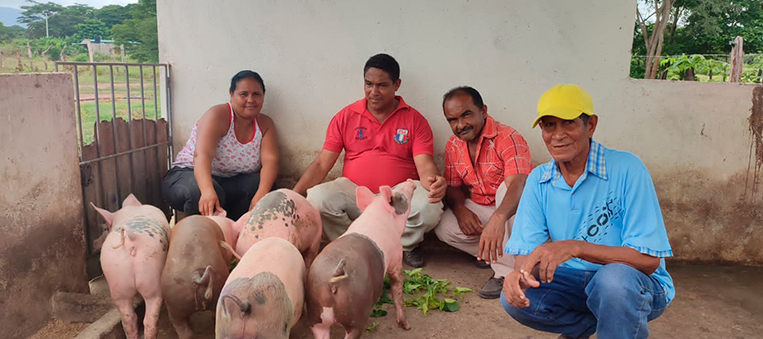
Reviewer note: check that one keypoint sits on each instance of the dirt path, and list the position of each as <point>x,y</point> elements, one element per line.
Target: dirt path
<point>712,302</point>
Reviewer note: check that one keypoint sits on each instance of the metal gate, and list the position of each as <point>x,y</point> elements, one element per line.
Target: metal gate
<point>125,136</point>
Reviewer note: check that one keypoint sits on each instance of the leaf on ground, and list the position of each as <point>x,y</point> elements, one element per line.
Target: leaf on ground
<point>450,305</point>
<point>385,299</point>
<point>461,290</point>
<point>377,312</point>
<point>372,327</point>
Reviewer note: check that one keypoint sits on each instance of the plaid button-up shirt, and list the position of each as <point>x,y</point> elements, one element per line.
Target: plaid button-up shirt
<point>501,152</point>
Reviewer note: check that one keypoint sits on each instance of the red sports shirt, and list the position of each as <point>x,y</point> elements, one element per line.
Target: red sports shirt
<point>378,154</point>
<point>501,152</point>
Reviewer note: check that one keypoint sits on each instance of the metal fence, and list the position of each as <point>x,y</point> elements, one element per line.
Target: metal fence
<point>123,147</point>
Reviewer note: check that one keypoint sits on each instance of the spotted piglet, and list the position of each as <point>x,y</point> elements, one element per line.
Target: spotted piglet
<point>132,258</point>
<point>284,214</point>
<point>347,277</point>
<point>264,295</point>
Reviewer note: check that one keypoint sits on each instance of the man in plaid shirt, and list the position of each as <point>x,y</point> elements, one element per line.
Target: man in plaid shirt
<point>486,165</point>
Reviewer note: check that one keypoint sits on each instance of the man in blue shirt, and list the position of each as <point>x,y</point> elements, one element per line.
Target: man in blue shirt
<point>603,269</point>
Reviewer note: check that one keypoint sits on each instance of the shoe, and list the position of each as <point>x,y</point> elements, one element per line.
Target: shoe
<point>413,258</point>
<point>563,336</point>
<point>481,263</point>
<point>492,289</point>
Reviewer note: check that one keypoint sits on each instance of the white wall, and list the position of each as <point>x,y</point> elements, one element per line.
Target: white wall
<point>311,55</point>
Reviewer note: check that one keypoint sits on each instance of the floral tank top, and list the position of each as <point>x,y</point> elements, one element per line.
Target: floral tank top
<point>231,157</point>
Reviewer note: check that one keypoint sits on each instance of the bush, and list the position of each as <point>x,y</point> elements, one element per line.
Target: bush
<point>82,57</point>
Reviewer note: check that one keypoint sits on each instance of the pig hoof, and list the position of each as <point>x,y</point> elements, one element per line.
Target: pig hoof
<point>404,325</point>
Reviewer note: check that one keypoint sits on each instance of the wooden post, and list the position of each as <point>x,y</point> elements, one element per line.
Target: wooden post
<point>19,66</point>
<point>90,50</point>
<point>62,57</point>
<point>31,58</point>
<point>122,52</point>
<point>689,75</point>
<point>1,59</point>
<point>737,60</point>
<point>43,56</point>
<point>710,74</point>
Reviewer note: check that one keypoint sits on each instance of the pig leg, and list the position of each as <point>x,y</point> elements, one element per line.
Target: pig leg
<point>129,318</point>
<point>149,284</point>
<point>321,331</point>
<point>396,285</point>
<point>180,322</point>
<point>312,252</point>
<point>356,330</point>
<point>153,308</point>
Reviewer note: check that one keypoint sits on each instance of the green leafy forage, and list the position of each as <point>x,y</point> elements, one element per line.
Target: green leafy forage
<point>423,292</point>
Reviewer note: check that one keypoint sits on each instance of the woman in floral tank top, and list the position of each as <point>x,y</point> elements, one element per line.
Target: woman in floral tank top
<point>231,159</point>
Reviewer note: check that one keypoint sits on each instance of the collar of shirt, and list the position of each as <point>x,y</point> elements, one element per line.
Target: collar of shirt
<point>361,107</point>
<point>595,164</point>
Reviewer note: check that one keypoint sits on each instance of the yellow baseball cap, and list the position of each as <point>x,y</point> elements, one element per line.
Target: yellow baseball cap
<point>564,101</point>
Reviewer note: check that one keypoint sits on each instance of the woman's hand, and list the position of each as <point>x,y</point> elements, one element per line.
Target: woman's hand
<point>209,204</point>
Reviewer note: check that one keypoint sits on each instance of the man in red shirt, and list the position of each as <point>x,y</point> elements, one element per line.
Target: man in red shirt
<point>486,165</point>
<point>386,142</point>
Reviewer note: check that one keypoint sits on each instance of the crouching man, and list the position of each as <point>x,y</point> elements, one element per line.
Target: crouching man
<point>603,269</point>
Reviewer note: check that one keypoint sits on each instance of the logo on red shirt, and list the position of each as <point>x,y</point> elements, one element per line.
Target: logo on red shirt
<point>360,135</point>
<point>401,136</point>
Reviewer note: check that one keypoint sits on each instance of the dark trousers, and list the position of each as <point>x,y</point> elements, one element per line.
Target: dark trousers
<point>235,193</point>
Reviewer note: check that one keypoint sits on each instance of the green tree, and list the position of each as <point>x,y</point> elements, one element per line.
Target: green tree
<point>113,14</point>
<point>51,19</point>
<point>138,33</point>
<point>654,34</point>
<point>38,14</point>
<point>712,25</point>
<point>91,29</point>
<point>9,33</point>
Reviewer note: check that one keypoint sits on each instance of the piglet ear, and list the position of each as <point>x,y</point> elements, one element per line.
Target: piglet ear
<point>131,200</point>
<point>400,203</point>
<point>220,213</point>
<point>108,216</point>
<point>364,197</point>
<point>233,305</point>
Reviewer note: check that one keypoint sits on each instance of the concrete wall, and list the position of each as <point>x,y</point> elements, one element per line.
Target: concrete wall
<point>42,247</point>
<point>694,137</point>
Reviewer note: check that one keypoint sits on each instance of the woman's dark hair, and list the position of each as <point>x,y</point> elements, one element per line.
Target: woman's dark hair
<point>243,75</point>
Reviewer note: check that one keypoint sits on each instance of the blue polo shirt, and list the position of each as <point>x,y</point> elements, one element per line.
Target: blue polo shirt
<point>613,203</point>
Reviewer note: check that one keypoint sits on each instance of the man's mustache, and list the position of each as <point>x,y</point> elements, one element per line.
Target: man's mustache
<point>467,128</point>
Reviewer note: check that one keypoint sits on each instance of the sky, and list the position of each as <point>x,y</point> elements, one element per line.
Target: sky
<point>92,3</point>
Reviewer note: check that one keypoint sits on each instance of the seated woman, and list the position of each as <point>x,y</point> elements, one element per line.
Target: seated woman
<point>231,159</point>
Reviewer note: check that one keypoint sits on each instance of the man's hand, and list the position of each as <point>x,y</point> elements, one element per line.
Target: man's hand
<point>209,204</point>
<point>549,256</point>
<point>468,222</point>
<point>514,287</point>
<point>491,241</point>
<point>437,187</point>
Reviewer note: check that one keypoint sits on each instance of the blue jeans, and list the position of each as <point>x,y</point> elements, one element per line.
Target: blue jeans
<point>615,302</point>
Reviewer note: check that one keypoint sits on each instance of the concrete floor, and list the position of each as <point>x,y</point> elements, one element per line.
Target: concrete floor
<point>711,302</point>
